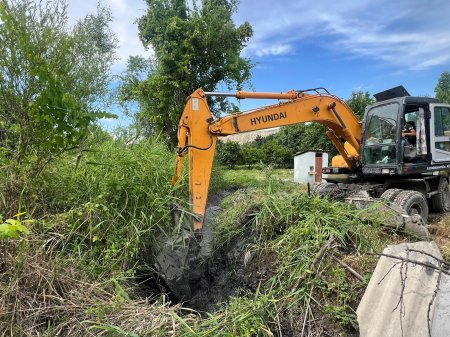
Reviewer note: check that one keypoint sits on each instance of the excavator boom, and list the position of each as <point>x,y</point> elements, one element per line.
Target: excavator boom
<point>198,132</point>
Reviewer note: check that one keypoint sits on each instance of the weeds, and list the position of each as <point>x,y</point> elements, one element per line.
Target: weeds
<point>13,228</point>
<point>246,316</point>
<point>45,294</point>
<point>96,212</point>
<point>110,203</point>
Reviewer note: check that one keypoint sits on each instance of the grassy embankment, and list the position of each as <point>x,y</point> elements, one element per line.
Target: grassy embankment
<point>97,214</point>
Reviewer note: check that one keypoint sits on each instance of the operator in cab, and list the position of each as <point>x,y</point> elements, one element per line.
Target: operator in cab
<point>409,133</point>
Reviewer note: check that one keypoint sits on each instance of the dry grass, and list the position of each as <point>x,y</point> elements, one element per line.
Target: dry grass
<point>440,231</point>
<point>46,295</point>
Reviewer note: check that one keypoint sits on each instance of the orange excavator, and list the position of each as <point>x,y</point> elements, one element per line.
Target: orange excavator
<point>375,161</point>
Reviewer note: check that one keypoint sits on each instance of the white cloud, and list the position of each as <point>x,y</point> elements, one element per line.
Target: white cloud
<point>269,50</point>
<point>125,13</point>
<point>406,33</point>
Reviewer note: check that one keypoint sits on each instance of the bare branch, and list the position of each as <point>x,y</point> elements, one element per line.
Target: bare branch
<point>350,269</point>
<point>445,263</point>
<point>323,250</point>
<point>420,263</point>
<point>433,298</point>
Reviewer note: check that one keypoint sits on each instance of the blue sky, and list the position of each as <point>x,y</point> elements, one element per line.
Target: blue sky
<point>349,45</point>
<point>342,45</point>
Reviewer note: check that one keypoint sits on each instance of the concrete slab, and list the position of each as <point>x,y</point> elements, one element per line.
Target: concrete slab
<point>383,310</point>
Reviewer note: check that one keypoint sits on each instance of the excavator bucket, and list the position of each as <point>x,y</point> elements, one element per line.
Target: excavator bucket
<point>180,253</point>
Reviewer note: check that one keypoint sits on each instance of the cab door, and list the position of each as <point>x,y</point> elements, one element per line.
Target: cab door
<point>440,132</point>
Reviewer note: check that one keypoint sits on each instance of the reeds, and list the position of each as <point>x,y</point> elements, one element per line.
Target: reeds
<point>110,204</point>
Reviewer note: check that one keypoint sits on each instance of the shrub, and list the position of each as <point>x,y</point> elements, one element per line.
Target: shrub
<point>228,153</point>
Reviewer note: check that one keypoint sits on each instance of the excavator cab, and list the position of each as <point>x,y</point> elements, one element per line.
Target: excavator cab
<point>386,152</point>
<point>381,136</point>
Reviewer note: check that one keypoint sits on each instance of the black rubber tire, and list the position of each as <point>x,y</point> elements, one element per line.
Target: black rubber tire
<point>390,194</point>
<point>413,202</point>
<point>441,202</point>
<point>315,187</point>
<point>327,190</point>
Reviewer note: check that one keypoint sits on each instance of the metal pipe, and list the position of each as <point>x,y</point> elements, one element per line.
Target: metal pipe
<point>332,106</point>
<point>220,94</point>
<point>268,95</point>
<point>261,95</point>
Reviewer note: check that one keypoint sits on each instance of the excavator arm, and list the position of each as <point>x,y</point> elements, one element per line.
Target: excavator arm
<point>198,132</point>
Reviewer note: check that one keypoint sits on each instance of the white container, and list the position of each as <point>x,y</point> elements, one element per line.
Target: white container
<point>308,166</point>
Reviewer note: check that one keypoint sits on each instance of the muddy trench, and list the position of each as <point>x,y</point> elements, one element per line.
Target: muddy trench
<point>193,273</point>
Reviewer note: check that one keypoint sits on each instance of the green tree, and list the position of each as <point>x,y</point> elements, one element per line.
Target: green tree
<point>52,82</point>
<point>442,89</point>
<point>359,101</point>
<point>194,47</point>
<point>250,155</point>
<point>304,137</point>
<point>275,154</point>
<point>229,153</point>
<point>132,82</point>
<point>259,141</point>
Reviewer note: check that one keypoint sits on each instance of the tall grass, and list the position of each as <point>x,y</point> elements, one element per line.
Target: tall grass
<point>96,213</point>
<point>109,203</point>
<point>106,204</point>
